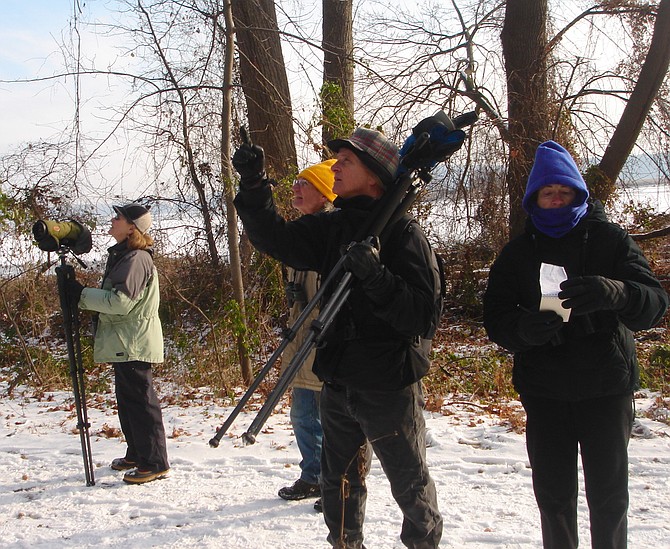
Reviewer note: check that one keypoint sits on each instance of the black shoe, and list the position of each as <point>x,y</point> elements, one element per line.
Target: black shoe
<point>300,490</point>
<point>122,464</point>
<point>318,506</point>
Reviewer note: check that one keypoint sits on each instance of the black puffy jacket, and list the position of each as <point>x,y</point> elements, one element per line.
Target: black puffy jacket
<point>597,356</point>
<point>370,345</point>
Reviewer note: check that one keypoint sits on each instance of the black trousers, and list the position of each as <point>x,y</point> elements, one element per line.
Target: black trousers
<point>391,424</point>
<point>140,415</point>
<point>601,429</point>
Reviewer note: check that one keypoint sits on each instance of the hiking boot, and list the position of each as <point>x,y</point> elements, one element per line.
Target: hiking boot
<point>122,464</point>
<point>318,506</point>
<point>300,490</point>
<point>140,476</point>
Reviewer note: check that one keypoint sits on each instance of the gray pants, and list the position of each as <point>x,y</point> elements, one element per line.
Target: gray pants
<point>392,424</point>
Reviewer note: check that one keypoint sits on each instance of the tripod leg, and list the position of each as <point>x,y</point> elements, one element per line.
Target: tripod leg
<point>71,328</point>
<point>214,441</point>
<point>288,337</point>
<point>316,332</point>
<point>82,418</point>
<point>249,437</point>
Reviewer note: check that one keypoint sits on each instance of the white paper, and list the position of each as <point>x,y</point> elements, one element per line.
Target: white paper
<point>551,277</point>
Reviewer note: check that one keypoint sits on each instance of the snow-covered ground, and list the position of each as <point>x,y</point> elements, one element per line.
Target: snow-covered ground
<point>226,497</point>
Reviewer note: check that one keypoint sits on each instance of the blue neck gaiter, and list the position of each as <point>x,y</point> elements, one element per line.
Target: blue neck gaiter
<point>557,222</point>
<point>555,166</point>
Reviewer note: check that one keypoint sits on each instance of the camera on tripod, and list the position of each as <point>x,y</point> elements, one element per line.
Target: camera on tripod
<point>64,237</point>
<point>51,236</point>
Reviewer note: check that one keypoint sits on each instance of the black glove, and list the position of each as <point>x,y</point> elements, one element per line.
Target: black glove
<point>249,161</point>
<point>73,291</point>
<point>586,294</point>
<point>538,328</point>
<point>362,260</point>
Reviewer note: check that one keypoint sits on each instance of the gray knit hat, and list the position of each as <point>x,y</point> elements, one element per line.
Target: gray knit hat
<point>136,214</point>
<point>375,151</point>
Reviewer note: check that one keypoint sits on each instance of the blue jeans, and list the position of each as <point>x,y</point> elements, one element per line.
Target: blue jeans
<point>306,421</point>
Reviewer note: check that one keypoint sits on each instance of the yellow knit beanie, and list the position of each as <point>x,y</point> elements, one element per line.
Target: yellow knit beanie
<point>322,177</point>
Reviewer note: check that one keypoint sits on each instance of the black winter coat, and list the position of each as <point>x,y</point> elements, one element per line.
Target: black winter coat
<point>597,356</point>
<point>371,345</point>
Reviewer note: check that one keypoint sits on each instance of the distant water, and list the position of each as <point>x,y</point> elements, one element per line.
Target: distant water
<point>446,223</point>
<point>647,192</point>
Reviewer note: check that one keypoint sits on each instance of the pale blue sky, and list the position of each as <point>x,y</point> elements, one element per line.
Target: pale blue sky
<point>31,35</point>
<point>29,30</point>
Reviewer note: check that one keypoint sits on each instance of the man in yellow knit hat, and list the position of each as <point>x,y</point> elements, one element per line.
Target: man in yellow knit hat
<point>312,193</point>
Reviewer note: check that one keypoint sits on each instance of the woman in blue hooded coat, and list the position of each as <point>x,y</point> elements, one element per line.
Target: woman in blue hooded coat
<point>575,378</point>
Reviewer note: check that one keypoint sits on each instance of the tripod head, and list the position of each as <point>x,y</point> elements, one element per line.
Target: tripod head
<point>433,140</point>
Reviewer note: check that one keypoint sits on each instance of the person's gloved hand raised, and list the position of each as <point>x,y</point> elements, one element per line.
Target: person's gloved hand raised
<point>586,294</point>
<point>537,328</point>
<point>73,290</point>
<point>249,162</point>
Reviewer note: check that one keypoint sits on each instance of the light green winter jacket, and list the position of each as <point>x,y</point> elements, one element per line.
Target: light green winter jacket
<point>128,327</point>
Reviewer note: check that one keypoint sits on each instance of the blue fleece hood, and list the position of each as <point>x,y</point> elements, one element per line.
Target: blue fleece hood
<point>555,166</point>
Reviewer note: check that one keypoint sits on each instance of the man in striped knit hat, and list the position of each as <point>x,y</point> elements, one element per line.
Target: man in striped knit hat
<point>373,355</point>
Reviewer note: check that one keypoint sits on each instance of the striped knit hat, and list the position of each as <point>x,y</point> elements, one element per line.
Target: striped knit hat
<point>375,151</point>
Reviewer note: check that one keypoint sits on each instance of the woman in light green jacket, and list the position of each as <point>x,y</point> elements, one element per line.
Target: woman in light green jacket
<point>129,335</point>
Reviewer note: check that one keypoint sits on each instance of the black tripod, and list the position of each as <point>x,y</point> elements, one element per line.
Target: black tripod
<point>65,272</point>
<point>434,140</point>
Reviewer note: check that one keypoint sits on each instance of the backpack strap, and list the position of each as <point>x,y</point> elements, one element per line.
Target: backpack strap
<point>440,291</point>
<point>392,233</point>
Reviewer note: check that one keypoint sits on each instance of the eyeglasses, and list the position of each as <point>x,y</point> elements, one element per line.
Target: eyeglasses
<point>300,182</point>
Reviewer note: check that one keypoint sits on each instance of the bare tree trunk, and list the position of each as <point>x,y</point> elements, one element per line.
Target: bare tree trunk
<point>524,41</point>
<point>227,172</point>
<point>265,84</point>
<point>651,77</point>
<point>337,93</point>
